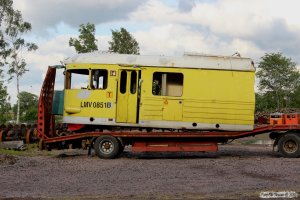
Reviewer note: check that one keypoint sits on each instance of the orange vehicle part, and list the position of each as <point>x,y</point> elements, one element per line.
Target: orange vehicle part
<point>75,127</point>
<point>277,119</point>
<point>292,118</point>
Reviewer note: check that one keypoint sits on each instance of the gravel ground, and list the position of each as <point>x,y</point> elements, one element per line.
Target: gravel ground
<point>235,172</point>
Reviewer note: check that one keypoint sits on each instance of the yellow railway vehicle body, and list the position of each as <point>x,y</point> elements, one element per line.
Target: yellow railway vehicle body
<point>191,92</point>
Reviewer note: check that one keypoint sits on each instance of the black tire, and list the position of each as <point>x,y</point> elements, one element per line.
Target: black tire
<point>289,145</point>
<point>107,147</point>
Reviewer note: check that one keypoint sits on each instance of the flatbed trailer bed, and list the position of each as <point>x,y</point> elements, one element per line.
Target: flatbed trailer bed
<point>174,141</point>
<point>176,134</point>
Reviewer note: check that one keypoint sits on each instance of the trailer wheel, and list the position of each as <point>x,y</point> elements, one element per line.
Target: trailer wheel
<point>106,146</point>
<point>289,145</point>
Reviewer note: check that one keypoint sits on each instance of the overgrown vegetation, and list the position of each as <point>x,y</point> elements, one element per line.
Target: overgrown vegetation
<point>279,84</point>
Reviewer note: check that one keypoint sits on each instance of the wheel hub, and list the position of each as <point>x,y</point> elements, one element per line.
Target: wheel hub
<point>290,146</point>
<point>106,147</point>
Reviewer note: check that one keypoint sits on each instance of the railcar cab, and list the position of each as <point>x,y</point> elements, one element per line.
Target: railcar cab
<point>188,92</point>
<point>101,94</point>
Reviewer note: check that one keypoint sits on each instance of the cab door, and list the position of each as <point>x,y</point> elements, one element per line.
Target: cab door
<point>127,100</point>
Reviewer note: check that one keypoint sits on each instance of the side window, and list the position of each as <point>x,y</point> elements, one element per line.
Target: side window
<point>99,79</point>
<point>123,82</point>
<point>133,82</point>
<point>77,79</point>
<point>167,84</point>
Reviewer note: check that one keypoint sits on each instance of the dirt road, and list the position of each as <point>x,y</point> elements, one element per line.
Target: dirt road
<point>234,172</point>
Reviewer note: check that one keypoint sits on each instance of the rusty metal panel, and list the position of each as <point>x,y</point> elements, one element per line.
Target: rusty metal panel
<point>174,146</point>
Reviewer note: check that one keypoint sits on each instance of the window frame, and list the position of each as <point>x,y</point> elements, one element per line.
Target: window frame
<point>69,79</point>
<point>164,81</point>
<point>104,82</point>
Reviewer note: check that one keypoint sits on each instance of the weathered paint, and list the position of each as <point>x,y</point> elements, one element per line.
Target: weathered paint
<point>218,99</point>
<point>197,61</point>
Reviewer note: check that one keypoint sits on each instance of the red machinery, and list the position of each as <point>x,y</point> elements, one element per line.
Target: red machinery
<point>26,133</point>
<point>284,129</point>
<point>285,119</point>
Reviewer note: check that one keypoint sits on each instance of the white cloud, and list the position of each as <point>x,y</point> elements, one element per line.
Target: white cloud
<point>176,39</point>
<point>210,27</point>
<point>49,13</point>
<point>231,17</point>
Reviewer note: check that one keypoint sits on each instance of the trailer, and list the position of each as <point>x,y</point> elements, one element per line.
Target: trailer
<point>109,136</point>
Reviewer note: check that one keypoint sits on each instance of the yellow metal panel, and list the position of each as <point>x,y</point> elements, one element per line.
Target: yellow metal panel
<point>151,109</point>
<point>172,110</point>
<point>209,96</point>
<point>95,104</point>
<point>122,107</point>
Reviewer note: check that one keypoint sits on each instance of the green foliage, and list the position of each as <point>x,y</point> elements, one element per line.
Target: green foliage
<point>14,28</point>
<point>5,8</point>
<point>295,103</point>
<point>12,43</point>
<point>3,94</point>
<point>87,41</point>
<point>265,102</point>
<point>28,107</point>
<point>123,42</point>
<point>278,80</point>
<point>4,104</point>
<point>31,150</point>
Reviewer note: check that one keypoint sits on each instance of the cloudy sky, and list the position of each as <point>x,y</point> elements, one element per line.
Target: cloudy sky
<point>169,27</point>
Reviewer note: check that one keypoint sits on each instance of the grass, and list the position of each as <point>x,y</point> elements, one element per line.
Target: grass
<point>31,150</point>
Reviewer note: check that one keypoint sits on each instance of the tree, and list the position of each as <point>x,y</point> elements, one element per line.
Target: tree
<point>296,98</point>
<point>28,106</point>
<point>87,41</point>
<point>279,77</point>
<point>265,102</point>
<point>5,7</point>
<point>15,46</point>
<point>123,42</point>
<point>4,104</point>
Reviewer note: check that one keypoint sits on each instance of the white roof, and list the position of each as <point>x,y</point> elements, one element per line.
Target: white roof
<point>186,61</point>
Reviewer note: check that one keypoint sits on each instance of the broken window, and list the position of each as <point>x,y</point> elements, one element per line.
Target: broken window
<point>133,82</point>
<point>123,82</point>
<point>77,79</point>
<point>167,84</point>
<point>99,79</point>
